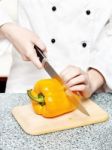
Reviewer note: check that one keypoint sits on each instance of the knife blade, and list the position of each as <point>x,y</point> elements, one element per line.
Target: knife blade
<point>52,73</point>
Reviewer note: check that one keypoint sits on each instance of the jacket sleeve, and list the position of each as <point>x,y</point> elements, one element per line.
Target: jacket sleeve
<point>101,56</point>
<point>4,43</point>
<point>4,17</point>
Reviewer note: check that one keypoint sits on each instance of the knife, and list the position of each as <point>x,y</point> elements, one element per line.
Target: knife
<point>52,73</point>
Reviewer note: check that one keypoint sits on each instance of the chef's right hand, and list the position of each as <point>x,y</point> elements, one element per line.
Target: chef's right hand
<point>24,41</point>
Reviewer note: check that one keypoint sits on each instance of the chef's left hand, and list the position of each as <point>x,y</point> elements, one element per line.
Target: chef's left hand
<point>84,82</point>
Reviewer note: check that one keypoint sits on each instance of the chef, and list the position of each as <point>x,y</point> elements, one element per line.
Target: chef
<point>75,35</point>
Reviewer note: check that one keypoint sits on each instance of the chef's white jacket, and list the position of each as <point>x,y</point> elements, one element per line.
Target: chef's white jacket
<point>76,32</point>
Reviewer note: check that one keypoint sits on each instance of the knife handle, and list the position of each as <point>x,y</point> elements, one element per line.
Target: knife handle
<point>39,53</point>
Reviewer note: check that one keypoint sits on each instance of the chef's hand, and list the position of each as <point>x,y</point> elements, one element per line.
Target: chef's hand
<point>84,82</point>
<point>23,40</point>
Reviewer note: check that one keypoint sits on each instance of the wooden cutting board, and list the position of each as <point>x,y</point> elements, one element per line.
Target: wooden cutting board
<point>35,124</point>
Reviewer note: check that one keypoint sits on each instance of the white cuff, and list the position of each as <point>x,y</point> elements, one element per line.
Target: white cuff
<point>105,70</point>
<point>4,17</point>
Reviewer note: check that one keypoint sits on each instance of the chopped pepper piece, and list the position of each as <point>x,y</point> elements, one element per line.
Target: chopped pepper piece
<point>49,99</point>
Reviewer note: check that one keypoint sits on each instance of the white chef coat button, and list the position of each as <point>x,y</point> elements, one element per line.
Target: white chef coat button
<point>88,12</point>
<point>53,41</point>
<point>84,44</point>
<point>54,8</point>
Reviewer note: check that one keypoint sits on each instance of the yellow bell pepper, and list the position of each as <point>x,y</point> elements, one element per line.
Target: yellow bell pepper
<point>49,99</point>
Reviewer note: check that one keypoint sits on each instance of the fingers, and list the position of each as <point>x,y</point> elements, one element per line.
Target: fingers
<point>31,53</point>
<point>70,72</point>
<point>79,88</point>
<point>32,56</point>
<point>75,78</point>
<point>81,79</point>
<point>37,41</point>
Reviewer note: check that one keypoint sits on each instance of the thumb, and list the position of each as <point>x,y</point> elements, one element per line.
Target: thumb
<point>40,44</point>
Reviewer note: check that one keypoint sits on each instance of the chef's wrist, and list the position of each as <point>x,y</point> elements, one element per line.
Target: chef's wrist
<point>2,35</point>
<point>96,79</point>
<point>6,28</point>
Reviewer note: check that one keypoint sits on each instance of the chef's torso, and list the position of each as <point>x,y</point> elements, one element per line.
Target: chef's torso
<point>69,28</point>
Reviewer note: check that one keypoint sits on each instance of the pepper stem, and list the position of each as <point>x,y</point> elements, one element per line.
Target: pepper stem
<point>40,98</point>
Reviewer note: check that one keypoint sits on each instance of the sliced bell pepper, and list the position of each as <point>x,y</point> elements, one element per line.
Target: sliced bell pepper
<point>49,99</point>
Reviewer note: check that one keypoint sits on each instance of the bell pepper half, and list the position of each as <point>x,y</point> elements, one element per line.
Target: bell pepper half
<point>49,99</point>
